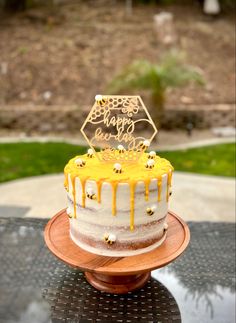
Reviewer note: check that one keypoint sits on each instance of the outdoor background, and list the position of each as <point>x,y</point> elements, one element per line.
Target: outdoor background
<point>55,56</point>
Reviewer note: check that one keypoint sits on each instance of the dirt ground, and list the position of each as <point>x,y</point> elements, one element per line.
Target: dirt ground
<point>70,54</point>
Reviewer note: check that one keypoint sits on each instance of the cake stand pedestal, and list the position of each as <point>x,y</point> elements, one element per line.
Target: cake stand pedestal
<point>117,275</point>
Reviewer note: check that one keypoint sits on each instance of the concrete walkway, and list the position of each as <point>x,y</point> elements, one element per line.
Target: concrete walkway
<point>195,197</point>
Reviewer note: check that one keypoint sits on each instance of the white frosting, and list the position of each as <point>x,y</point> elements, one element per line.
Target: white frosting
<point>118,253</point>
<point>96,219</point>
<point>102,212</point>
<point>90,191</point>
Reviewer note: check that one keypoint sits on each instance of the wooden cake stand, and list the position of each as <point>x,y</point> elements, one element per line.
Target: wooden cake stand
<point>116,275</point>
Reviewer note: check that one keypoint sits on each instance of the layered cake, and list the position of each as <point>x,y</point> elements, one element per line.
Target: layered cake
<point>118,198</point>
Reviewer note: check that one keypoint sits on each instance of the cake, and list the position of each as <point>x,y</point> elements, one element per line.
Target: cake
<point>118,198</point>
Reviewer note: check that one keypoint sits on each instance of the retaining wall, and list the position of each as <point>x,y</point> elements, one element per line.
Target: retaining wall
<point>45,119</point>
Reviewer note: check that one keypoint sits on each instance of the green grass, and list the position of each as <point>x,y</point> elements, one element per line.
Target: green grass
<point>211,160</point>
<point>29,159</point>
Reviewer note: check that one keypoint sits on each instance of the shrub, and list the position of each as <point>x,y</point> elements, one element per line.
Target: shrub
<point>156,79</point>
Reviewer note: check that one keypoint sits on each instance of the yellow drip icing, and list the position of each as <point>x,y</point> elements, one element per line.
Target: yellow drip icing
<point>83,183</point>
<point>99,188</point>
<point>159,186</point>
<point>66,182</point>
<point>114,189</point>
<point>73,178</point>
<point>101,172</point>
<point>147,183</point>
<point>169,177</point>
<point>132,191</point>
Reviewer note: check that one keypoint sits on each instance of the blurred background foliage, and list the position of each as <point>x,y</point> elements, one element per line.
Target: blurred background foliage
<point>17,5</point>
<point>170,72</point>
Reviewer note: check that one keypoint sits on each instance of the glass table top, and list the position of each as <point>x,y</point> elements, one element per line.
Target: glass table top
<point>35,287</point>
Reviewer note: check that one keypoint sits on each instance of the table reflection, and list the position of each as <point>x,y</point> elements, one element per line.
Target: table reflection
<point>72,299</point>
<point>35,287</point>
<point>203,279</point>
<point>215,304</point>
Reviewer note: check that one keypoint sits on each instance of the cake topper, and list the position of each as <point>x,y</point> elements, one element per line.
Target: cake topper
<point>120,126</point>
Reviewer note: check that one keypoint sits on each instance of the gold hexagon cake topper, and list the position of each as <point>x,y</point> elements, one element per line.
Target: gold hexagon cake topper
<point>120,126</point>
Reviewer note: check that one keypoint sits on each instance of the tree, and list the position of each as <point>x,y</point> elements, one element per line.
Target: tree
<point>155,78</point>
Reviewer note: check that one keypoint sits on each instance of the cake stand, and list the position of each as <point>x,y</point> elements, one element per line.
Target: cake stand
<point>117,275</point>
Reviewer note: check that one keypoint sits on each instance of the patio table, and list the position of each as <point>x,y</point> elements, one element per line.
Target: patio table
<point>36,287</point>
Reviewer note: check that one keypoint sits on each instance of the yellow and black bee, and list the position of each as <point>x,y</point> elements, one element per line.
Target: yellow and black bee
<point>80,162</point>
<point>100,100</point>
<point>152,155</point>
<point>117,171</point>
<point>69,213</point>
<point>144,144</point>
<point>121,149</point>
<point>109,238</point>
<point>117,168</point>
<point>90,194</point>
<point>90,153</point>
<point>150,164</point>
<point>151,210</point>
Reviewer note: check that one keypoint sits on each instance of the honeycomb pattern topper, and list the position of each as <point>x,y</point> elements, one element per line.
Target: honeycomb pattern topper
<point>120,126</point>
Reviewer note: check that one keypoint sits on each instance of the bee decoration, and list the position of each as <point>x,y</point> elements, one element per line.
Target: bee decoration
<point>121,149</point>
<point>80,162</point>
<point>152,155</point>
<point>90,153</point>
<point>165,227</point>
<point>151,210</point>
<point>170,192</point>
<point>150,164</point>
<point>100,100</point>
<point>68,212</point>
<point>117,168</point>
<point>90,194</point>
<point>109,238</point>
<point>144,144</point>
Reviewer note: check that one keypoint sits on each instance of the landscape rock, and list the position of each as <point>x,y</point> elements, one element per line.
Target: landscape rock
<point>224,131</point>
